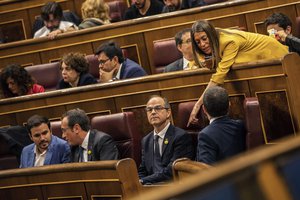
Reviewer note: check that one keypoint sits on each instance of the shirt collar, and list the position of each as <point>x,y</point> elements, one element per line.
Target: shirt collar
<point>119,72</point>
<point>85,142</point>
<point>214,118</point>
<point>162,133</point>
<point>185,63</point>
<point>35,150</point>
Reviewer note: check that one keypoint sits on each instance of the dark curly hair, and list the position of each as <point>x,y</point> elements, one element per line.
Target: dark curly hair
<point>76,61</point>
<point>20,77</point>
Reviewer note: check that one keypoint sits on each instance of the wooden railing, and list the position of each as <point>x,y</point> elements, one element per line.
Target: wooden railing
<point>274,83</point>
<point>138,35</point>
<point>92,180</point>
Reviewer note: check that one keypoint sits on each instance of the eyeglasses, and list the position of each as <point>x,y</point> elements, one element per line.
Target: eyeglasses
<point>155,108</point>
<point>187,41</point>
<point>102,62</point>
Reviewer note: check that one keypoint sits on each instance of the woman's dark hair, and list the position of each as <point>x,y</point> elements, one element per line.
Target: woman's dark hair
<point>51,8</point>
<point>20,77</point>
<point>213,36</point>
<point>76,61</point>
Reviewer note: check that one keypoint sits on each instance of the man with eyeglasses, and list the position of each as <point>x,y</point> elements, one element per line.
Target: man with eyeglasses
<point>163,145</point>
<point>87,144</point>
<point>184,45</point>
<point>113,65</point>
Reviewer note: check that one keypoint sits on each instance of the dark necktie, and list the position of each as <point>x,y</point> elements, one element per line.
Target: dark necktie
<point>156,157</point>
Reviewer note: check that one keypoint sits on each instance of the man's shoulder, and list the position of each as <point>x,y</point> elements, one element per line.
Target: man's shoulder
<point>40,33</point>
<point>58,141</point>
<point>98,134</point>
<point>131,64</point>
<point>177,65</point>
<point>28,148</point>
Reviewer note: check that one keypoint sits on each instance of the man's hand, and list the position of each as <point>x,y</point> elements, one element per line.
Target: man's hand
<point>106,76</point>
<point>280,35</point>
<point>52,35</point>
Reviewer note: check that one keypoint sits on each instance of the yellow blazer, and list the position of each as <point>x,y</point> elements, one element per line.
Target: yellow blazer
<point>239,47</point>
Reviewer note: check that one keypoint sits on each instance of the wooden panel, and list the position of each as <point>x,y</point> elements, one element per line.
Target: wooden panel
<point>24,60</point>
<point>255,20</point>
<point>275,111</point>
<point>31,192</point>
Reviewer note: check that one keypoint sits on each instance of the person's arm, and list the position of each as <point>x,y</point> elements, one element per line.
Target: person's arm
<point>107,149</point>
<point>293,43</point>
<point>193,117</point>
<point>66,158</point>
<point>229,54</point>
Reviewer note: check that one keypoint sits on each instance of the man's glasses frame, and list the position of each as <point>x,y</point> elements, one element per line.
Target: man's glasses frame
<point>102,62</point>
<point>156,109</point>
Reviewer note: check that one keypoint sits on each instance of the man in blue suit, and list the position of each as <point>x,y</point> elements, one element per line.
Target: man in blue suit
<point>113,65</point>
<point>163,145</point>
<point>223,137</point>
<point>46,149</point>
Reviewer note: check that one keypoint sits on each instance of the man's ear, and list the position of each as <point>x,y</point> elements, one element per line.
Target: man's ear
<point>115,59</point>
<point>288,30</point>
<point>179,48</point>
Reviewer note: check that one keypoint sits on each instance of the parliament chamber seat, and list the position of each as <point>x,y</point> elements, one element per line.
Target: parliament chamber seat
<point>183,114</point>
<point>7,159</point>
<point>113,179</point>
<point>296,30</point>
<point>117,10</point>
<point>123,128</point>
<point>56,128</point>
<point>93,65</point>
<point>47,75</point>
<point>253,124</point>
<point>164,53</point>
<point>184,167</point>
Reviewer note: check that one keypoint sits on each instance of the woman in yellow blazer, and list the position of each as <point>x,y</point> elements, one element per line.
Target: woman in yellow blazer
<point>226,47</point>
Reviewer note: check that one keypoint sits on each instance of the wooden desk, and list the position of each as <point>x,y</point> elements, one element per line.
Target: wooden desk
<point>138,35</point>
<point>273,82</point>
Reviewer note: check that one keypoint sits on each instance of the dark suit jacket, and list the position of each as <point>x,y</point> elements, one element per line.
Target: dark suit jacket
<point>221,139</point>
<point>175,66</point>
<point>58,152</point>
<point>101,146</point>
<point>179,145</point>
<point>131,69</point>
<point>85,79</point>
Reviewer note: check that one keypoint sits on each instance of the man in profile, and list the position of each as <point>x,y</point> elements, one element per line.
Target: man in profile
<point>163,145</point>
<point>113,65</point>
<point>280,26</point>
<point>184,45</point>
<point>87,144</point>
<point>47,149</point>
<point>53,25</point>
<point>143,8</point>
<point>223,137</point>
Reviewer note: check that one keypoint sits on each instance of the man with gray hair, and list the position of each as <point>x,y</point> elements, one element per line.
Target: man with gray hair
<point>223,137</point>
<point>87,144</point>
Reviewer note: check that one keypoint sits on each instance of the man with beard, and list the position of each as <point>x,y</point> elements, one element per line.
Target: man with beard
<point>174,5</point>
<point>52,14</point>
<point>46,149</point>
<point>279,26</point>
<point>162,146</point>
<point>143,8</point>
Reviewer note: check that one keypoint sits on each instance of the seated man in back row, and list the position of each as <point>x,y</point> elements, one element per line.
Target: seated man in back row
<point>52,16</point>
<point>223,137</point>
<point>184,45</point>
<point>113,65</point>
<point>280,26</point>
<point>162,146</point>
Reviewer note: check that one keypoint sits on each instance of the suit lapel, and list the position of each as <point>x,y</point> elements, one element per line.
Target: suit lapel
<point>49,152</point>
<point>180,66</point>
<point>90,145</point>
<point>168,139</point>
<point>31,157</point>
